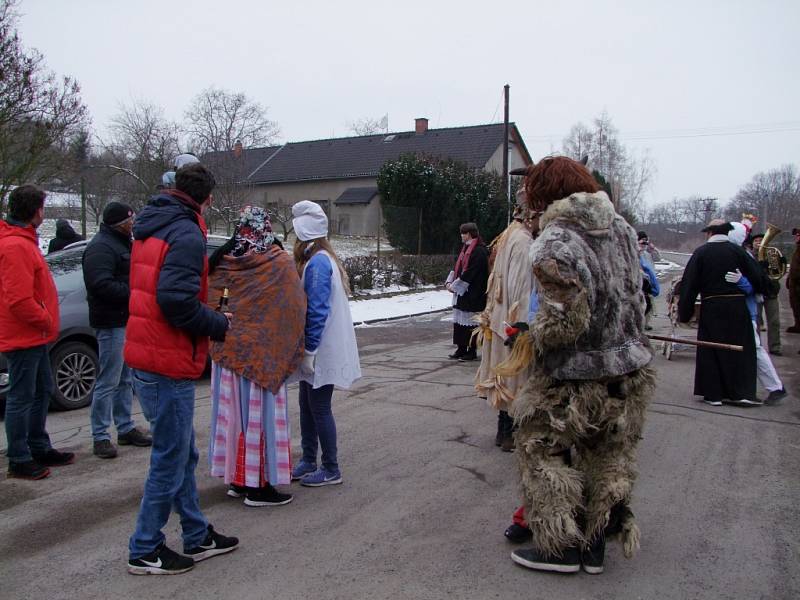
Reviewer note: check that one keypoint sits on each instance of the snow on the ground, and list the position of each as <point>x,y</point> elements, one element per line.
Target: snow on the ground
<point>400,306</point>
<point>666,265</point>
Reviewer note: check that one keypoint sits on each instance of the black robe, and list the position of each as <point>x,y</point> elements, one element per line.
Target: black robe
<point>724,318</point>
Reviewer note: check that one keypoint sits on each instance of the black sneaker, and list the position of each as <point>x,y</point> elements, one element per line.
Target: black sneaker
<point>236,491</point>
<point>27,470</point>
<point>518,534</point>
<point>161,561</point>
<point>104,449</point>
<point>215,543</point>
<point>592,557</point>
<point>568,562</point>
<point>744,402</point>
<point>54,458</point>
<point>134,437</point>
<point>456,355</point>
<point>776,396</point>
<point>266,496</point>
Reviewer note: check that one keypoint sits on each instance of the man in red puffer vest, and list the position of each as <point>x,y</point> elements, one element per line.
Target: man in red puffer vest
<point>166,345</point>
<point>29,321</point>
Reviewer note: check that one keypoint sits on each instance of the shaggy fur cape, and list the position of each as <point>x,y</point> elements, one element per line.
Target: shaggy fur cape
<point>581,412</point>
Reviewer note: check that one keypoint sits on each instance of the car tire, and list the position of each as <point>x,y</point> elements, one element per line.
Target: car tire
<point>75,367</point>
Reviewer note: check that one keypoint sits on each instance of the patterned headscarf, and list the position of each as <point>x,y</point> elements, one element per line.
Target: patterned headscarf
<point>254,231</point>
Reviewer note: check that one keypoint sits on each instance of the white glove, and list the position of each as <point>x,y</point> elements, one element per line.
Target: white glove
<point>307,366</point>
<point>732,277</point>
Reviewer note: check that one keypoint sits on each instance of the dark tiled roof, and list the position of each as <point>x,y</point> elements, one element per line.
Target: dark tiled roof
<point>240,168</point>
<point>357,195</point>
<point>363,156</point>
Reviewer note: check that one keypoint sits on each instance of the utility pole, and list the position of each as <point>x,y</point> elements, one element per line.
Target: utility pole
<point>83,206</point>
<point>708,208</point>
<point>506,89</point>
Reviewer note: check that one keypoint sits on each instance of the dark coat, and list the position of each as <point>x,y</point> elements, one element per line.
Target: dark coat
<point>476,274</point>
<point>106,273</point>
<point>65,235</point>
<point>724,318</point>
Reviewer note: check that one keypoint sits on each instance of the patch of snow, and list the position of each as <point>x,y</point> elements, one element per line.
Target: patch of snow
<point>666,265</point>
<point>400,306</point>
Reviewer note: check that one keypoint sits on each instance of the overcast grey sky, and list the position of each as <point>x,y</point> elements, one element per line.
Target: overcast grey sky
<point>660,69</point>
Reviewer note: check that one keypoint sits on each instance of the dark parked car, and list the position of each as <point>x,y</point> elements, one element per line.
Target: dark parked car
<point>73,356</point>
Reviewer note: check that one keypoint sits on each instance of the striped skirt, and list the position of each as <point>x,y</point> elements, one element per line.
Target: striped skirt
<point>250,438</point>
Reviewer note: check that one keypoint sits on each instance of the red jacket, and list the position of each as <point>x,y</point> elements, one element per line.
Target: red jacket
<point>169,322</point>
<point>28,296</point>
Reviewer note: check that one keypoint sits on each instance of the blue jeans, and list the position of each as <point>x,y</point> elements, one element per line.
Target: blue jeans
<point>317,425</point>
<point>30,387</point>
<point>168,405</point>
<point>113,394</point>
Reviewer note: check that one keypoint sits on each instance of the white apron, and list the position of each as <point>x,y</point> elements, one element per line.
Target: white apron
<point>336,360</point>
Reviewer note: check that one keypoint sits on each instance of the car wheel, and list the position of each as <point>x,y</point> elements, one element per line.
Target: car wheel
<point>75,368</point>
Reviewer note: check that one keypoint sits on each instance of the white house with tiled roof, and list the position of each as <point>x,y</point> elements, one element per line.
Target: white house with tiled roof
<point>341,173</point>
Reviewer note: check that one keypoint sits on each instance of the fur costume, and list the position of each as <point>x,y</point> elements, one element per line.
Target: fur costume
<point>581,412</point>
<point>507,298</point>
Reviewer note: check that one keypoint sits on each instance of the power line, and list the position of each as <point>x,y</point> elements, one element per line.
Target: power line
<point>781,127</point>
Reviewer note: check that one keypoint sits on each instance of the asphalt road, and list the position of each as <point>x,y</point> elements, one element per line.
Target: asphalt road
<point>426,498</point>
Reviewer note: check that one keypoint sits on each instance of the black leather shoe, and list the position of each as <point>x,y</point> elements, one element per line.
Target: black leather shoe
<point>134,437</point>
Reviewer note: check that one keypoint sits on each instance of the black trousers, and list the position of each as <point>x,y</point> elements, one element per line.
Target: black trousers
<point>462,335</point>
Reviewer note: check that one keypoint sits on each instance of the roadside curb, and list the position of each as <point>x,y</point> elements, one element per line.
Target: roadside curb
<point>398,317</point>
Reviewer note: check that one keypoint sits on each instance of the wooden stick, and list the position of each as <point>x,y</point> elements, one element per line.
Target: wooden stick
<point>716,345</point>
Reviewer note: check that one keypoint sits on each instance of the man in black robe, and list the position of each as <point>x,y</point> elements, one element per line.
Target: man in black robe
<point>721,375</point>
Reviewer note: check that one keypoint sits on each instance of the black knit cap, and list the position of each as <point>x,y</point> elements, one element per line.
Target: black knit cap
<point>116,212</point>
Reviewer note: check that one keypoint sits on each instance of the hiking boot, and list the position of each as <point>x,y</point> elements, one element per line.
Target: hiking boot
<point>161,561</point>
<point>134,437</point>
<point>27,470</point>
<point>568,562</point>
<point>517,534</point>
<point>236,491</point>
<point>322,477</point>
<point>54,458</point>
<point>592,557</point>
<point>775,396</point>
<point>302,469</point>
<point>266,496</point>
<point>104,449</point>
<point>215,543</point>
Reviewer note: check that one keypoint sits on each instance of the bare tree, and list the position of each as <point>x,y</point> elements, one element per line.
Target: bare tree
<point>39,112</point>
<point>368,126</point>
<point>628,177</point>
<point>141,145</point>
<point>773,196</point>
<point>282,215</point>
<point>218,119</point>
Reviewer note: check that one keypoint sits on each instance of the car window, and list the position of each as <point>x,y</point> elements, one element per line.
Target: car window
<point>66,269</point>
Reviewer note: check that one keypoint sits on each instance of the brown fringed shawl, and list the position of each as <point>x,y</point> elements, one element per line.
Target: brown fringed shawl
<point>265,342</point>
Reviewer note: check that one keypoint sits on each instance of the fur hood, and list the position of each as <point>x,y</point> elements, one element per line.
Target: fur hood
<point>591,212</point>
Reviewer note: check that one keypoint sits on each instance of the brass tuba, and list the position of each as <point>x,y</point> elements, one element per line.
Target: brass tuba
<point>776,264</point>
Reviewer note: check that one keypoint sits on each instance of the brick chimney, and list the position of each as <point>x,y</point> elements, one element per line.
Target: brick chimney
<point>421,125</point>
<point>237,149</point>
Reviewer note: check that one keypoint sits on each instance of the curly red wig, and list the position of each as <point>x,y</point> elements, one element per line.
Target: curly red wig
<point>555,178</point>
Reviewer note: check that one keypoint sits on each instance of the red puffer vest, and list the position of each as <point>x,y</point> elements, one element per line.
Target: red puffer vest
<point>151,343</point>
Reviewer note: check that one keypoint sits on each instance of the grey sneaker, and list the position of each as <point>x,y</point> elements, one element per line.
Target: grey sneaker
<point>134,437</point>
<point>104,449</point>
<point>776,396</point>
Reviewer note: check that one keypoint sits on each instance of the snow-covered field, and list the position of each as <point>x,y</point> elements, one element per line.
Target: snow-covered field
<point>400,306</point>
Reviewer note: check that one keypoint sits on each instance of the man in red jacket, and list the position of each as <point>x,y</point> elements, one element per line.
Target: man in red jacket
<point>166,345</point>
<point>28,322</point>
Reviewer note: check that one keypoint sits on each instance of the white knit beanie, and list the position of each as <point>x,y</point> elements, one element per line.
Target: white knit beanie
<point>310,221</point>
